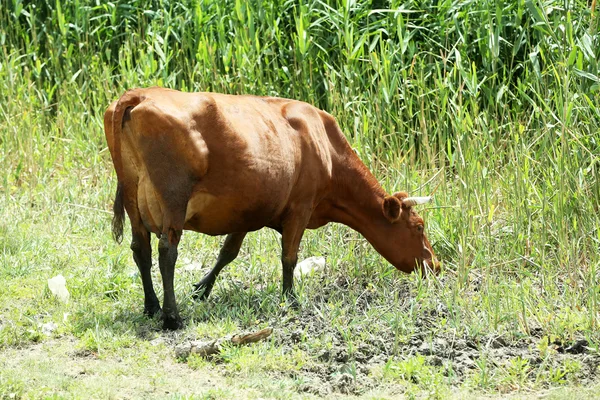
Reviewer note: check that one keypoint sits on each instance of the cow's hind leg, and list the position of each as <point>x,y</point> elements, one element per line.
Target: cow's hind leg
<point>142,254</point>
<point>167,256</point>
<point>228,253</point>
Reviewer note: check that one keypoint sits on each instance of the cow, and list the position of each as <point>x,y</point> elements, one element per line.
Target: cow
<point>231,164</point>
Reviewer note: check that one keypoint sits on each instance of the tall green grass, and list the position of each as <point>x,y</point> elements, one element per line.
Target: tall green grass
<point>495,105</point>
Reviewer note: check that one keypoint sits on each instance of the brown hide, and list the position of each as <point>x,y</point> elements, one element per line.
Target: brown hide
<point>221,164</point>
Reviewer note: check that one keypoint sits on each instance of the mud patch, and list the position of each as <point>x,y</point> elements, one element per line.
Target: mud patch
<point>340,369</point>
<point>345,365</point>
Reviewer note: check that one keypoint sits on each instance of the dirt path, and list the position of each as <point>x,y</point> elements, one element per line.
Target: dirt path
<point>54,367</point>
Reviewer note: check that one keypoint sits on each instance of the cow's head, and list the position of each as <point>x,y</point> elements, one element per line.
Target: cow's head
<point>411,249</point>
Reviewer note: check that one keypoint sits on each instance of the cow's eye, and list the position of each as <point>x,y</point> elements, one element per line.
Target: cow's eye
<point>420,228</point>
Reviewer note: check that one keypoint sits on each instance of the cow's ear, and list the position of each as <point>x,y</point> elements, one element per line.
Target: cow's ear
<point>391,208</point>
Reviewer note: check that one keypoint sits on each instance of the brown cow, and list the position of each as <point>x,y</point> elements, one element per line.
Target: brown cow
<point>221,164</point>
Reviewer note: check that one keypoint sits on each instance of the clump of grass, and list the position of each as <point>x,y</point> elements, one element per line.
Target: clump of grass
<point>416,376</point>
<point>250,360</point>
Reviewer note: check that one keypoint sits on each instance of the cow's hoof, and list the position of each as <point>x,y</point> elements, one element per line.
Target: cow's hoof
<point>152,310</point>
<point>171,323</point>
<point>292,300</point>
<point>202,289</point>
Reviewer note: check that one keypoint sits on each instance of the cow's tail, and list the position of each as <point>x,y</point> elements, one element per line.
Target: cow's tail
<point>129,100</point>
<point>118,214</point>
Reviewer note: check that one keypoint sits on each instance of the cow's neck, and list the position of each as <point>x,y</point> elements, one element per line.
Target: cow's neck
<point>357,199</point>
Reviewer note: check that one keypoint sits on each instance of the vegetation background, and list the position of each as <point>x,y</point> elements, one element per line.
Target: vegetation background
<point>492,105</point>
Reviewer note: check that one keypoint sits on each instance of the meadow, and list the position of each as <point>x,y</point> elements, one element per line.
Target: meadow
<point>493,106</point>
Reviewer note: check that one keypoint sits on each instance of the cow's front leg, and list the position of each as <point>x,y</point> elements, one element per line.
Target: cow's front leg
<point>167,256</point>
<point>228,253</point>
<point>291,235</point>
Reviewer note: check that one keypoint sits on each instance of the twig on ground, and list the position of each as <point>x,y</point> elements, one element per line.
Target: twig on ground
<point>207,348</point>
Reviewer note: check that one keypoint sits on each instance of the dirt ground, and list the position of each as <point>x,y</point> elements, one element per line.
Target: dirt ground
<point>58,369</point>
<point>351,373</point>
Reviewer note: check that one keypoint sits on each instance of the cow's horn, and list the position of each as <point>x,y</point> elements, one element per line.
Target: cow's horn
<point>415,201</point>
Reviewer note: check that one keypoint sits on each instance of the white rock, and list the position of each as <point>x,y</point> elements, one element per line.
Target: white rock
<point>192,266</point>
<point>58,287</point>
<point>309,266</point>
<point>48,328</point>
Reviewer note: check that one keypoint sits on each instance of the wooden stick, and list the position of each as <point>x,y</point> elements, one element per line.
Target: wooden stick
<point>207,348</point>
<point>252,337</point>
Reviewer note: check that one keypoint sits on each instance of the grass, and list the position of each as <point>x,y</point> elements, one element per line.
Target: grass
<point>492,105</point>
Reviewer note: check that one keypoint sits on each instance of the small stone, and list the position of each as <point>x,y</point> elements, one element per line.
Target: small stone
<point>309,266</point>
<point>192,266</point>
<point>58,287</point>
<point>48,328</point>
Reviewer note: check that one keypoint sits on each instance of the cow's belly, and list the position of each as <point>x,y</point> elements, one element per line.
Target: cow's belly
<point>220,215</point>
<point>207,213</point>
